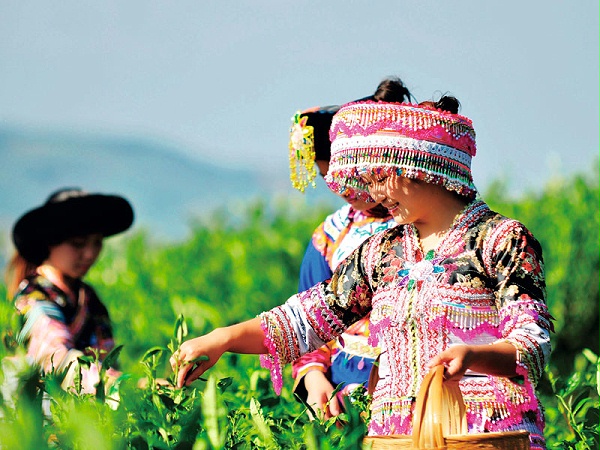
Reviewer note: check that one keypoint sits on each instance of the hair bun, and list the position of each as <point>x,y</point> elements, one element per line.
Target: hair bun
<point>448,103</point>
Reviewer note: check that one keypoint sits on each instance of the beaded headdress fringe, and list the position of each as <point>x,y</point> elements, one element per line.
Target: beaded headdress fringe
<point>302,153</point>
<point>309,141</point>
<point>414,141</point>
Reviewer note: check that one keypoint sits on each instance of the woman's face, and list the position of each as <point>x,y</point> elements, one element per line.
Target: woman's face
<point>76,255</point>
<point>400,195</point>
<point>359,205</point>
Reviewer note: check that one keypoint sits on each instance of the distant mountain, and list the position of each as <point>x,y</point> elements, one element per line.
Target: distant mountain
<point>165,187</point>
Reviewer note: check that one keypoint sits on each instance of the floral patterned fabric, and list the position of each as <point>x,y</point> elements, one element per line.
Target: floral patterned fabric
<point>483,284</point>
<point>343,231</point>
<point>347,360</point>
<point>57,329</point>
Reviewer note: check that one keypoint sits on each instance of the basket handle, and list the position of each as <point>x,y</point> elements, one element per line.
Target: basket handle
<point>439,411</point>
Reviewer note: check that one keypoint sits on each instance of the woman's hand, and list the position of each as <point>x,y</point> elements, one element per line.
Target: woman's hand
<point>499,359</point>
<point>456,360</point>
<point>196,356</point>
<point>320,392</point>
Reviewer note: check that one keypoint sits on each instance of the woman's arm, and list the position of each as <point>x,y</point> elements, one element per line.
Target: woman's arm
<point>497,359</point>
<point>302,324</point>
<point>526,323</point>
<point>516,264</point>
<point>245,337</point>
<point>314,269</point>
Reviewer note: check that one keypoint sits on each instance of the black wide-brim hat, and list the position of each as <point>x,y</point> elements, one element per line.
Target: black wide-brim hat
<point>69,213</point>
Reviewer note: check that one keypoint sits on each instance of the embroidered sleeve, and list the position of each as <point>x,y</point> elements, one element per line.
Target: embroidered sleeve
<point>521,296</point>
<point>45,333</point>
<point>50,343</point>
<point>311,318</point>
<point>319,359</point>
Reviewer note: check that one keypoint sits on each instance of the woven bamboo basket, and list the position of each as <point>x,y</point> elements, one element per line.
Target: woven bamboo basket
<point>440,422</point>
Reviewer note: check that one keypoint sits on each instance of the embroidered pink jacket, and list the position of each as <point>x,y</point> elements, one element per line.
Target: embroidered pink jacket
<point>484,283</point>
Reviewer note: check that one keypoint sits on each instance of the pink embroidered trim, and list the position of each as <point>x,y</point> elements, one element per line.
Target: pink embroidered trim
<point>322,320</point>
<point>271,361</point>
<point>516,409</point>
<point>394,424</point>
<point>367,118</point>
<point>465,335</point>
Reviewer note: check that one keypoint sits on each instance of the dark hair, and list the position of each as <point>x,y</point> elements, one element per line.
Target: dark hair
<point>320,120</point>
<point>392,89</point>
<point>447,103</point>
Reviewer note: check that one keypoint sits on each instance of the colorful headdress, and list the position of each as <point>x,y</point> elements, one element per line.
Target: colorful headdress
<point>309,141</point>
<point>415,141</point>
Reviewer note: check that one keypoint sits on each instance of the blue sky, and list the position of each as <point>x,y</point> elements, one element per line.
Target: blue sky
<point>219,80</point>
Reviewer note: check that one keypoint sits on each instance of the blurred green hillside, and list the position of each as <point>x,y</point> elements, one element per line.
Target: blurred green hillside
<point>165,185</point>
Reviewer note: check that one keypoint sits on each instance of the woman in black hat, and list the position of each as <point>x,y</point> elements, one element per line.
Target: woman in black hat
<point>57,243</point>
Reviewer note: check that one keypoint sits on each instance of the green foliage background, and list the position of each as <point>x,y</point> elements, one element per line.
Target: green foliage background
<point>232,267</point>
